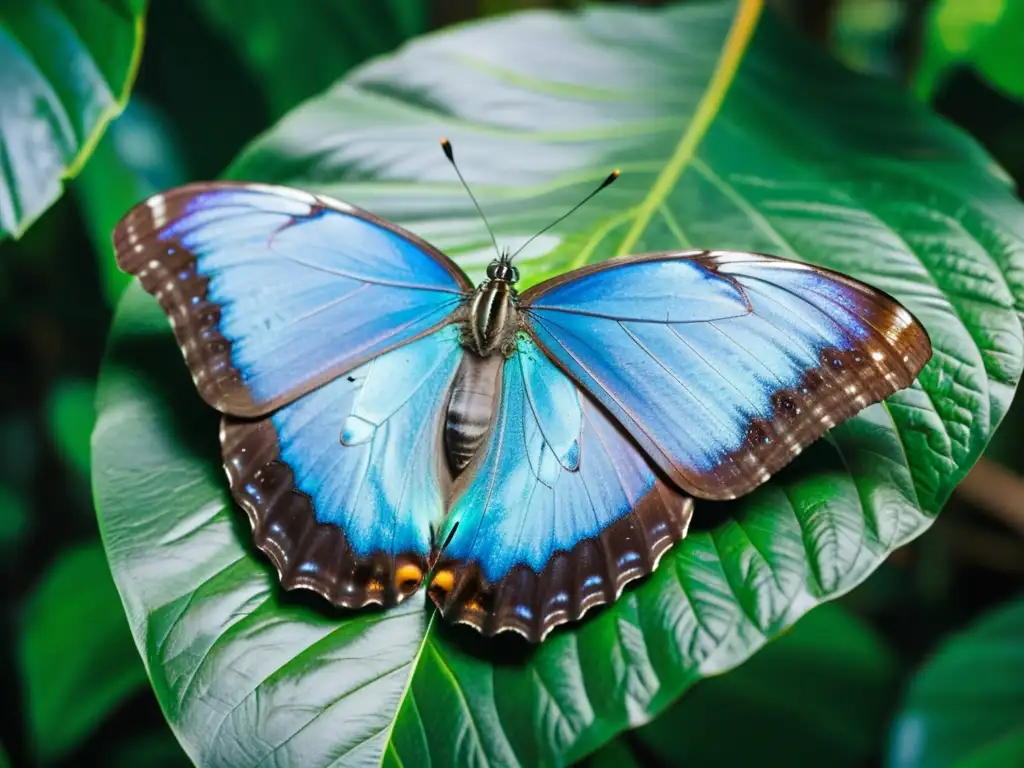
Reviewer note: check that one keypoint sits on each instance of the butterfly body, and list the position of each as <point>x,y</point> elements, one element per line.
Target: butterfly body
<point>387,424</point>
<point>493,313</point>
<point>474,397</point>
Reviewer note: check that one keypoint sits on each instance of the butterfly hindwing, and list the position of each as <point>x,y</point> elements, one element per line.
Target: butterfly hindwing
<point>724,365</point>
<point>272,291</point>
<point>559,511</point>
<point>344,485</point>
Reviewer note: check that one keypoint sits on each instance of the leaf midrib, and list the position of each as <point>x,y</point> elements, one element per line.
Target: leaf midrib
<point>742,30</point>
<point>414,664</point>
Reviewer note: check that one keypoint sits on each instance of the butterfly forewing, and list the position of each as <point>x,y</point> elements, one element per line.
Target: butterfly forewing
<point>272,291</point>
<point>722,394</point>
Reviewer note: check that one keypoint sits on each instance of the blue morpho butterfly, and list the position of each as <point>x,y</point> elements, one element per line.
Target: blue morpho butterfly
<point>387,422</point>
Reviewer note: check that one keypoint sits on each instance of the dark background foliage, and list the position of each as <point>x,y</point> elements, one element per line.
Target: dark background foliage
<point>74,691</point>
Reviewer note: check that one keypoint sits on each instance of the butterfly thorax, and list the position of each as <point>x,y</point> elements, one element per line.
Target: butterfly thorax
<point>493,319</point>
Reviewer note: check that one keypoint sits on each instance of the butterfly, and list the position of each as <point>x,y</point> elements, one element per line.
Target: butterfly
<point>387,423</point>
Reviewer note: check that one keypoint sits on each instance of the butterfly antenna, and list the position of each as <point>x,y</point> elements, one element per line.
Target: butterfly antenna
<point>447,147</point>
<point>611,177</point>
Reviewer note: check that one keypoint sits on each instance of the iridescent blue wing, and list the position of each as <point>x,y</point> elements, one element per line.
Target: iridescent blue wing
<point>344,485</point>
<point>272,291</point>
<point>559,510</point>
<point>724,365</point>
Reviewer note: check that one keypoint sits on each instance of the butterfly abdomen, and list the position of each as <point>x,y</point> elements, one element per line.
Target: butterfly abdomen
<point>470,408</point>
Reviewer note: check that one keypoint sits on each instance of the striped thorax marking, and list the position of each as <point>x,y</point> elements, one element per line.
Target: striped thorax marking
<point>493,319</point>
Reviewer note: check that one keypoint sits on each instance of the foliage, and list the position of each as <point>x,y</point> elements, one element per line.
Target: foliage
<point>964,706</point>
<point>65,71</point>
<point>76,659</point>
<point>985,34</point>
<point>863,34</point>
<point>136,158</point>
<point>276,42</point>
<point>245,673</point>
<point>809,161</point>
<point>71,416</point>
<point>13,519</point>
<point>819,695</point>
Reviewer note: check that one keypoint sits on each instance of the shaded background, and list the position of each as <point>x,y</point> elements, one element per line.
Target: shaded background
<point>74,691</point>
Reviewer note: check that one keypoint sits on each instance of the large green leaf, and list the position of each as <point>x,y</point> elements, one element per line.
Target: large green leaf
<point>819,695</point>
<point>296,55</point>
<point>787,153</point>
<point>66,67</point>
<point>984,34</point>
<point>75,652</point>
<point>964,707</point>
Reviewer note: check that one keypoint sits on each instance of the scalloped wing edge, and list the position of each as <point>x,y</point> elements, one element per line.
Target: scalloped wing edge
<point>592,573</point>
<point>305,553</point>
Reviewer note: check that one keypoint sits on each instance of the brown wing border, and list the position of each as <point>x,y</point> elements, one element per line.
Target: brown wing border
<point>305,553</point>
<point>593,572</point>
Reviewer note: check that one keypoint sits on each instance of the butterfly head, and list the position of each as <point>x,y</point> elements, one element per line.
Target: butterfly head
<point>502,269</point>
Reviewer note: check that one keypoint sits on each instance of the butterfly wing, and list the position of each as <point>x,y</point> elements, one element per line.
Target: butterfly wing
<point>724,365</point>
<point>343,485</point>
<point>272,291</point>
<point>559,511</point>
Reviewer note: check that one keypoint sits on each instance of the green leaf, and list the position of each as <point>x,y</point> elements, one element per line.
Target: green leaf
<point>66,68</point>
<point>984,34</point>
<point>136,158</point>
<point>75,652</point>
<point>71,413</point>
<point>864,35</point>
<point>788,153</point>
<point>296,55</point>
<point>964,707</point>
<point>14,518</point>
<point>819,695</point>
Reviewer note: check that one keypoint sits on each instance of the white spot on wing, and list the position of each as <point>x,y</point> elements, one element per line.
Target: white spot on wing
<point>158,209</point>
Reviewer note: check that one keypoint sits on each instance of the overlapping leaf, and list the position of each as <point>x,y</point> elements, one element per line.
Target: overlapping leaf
<point>984,35</point>
<point>65,71</point>
<point>763,147</point>
<point>963,708</point>
<point>74,653</point>
<point>819,695</point>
